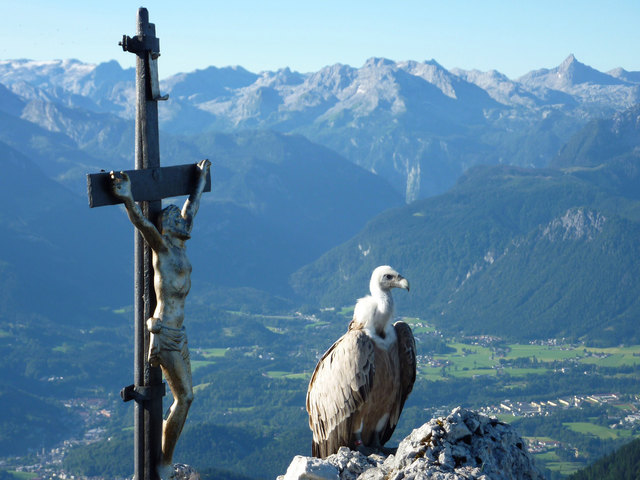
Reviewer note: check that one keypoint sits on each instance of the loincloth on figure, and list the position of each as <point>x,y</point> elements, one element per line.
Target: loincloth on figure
<point>165,339</point>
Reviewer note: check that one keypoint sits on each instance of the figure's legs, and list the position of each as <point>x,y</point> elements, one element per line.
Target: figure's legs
<point>177,371</point>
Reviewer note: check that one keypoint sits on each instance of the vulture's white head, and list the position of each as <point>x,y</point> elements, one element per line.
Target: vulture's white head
<point>384,278</point>
<point>373,312</point>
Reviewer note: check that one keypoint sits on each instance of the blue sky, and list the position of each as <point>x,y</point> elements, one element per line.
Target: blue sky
<point>513,37</point>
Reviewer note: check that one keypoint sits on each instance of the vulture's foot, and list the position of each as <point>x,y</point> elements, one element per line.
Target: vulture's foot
<point>366,451</point>
<point>379,450</point>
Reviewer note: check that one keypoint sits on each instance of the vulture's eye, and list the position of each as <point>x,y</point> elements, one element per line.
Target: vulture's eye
<point>388,276</point>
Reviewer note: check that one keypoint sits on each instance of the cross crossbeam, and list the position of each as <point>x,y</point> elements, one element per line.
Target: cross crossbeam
<point>147,185</point>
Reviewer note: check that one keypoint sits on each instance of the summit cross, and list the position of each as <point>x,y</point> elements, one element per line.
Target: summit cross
<point>147,185</point>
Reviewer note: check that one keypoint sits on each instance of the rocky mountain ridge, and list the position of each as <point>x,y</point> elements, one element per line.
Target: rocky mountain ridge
<point>415,123</point>
<point>378,77</point>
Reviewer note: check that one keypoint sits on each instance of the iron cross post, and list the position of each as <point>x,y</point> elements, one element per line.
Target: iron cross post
<point>149,185</point>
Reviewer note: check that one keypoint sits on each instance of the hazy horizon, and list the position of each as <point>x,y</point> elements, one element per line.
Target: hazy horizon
<point>510,38</point>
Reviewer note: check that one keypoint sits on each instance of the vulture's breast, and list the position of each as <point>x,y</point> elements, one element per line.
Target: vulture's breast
<point>384,399</point>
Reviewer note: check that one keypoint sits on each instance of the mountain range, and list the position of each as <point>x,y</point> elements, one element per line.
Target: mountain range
<point>511,205</point>
<point>303,161</point>
<point>281,201</point>
<point>415,123</point>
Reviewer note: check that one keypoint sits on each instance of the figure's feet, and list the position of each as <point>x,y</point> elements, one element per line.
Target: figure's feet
<point>166,472</point>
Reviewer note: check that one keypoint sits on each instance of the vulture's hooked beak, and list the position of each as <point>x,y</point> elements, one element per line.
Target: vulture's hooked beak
<point>402,283</point>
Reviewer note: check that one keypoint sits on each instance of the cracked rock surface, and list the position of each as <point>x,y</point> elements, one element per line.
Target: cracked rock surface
<point>463,446</point>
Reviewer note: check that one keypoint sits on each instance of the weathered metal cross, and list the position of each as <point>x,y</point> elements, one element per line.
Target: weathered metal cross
<point>149,185</point>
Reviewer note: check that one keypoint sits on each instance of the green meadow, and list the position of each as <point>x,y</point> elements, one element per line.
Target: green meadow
<point>280,374</point>
<point>598,431</point>
<point>418,326</point>
<point>197,364</point>
<point>319,323</point>
<point>551,461</point>
<point>468,361</point>
<point>213,352</point>
<point>202,357</point>
<point>24,475</point>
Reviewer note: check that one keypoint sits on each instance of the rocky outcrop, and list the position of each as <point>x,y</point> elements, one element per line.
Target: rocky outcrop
<point>464,445</point>
<point>575,224</point>
<point>185,472</point>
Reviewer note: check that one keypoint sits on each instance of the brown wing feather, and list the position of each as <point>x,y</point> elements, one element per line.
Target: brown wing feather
<point>339,386</point>
<point>407,361</point>
<point>407,353</point>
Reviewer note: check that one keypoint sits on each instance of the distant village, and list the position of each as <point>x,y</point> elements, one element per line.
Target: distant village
<point>94,412</point>
<point>528,409</point>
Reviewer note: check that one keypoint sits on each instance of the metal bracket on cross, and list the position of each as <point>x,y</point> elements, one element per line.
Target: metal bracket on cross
<point>146,43</point>
<point>142,393</point>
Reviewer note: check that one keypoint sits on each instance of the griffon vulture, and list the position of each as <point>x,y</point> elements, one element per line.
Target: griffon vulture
<point>360,384</point>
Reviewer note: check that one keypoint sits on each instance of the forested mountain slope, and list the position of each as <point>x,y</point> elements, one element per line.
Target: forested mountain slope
<point>526,253</point>
<point>623,464</point>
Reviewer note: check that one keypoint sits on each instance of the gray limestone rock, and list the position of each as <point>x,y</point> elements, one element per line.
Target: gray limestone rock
<point>185,472</point>
<point>307,468</point>
<point>464,445</point>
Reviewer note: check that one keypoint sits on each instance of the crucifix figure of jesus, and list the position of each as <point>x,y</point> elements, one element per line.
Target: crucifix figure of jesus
<point>172,281</point>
